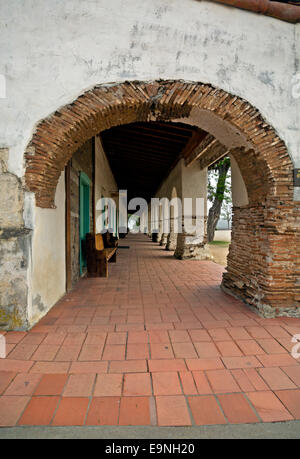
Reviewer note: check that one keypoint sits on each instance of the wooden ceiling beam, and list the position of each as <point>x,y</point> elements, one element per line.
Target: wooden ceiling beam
<point>208,152</point>
<point>164,132</point>
<point>194,141</point>
<point>156,153</point>
<point>136,155</point>
<point>170,138</point>
<point>145,138</point>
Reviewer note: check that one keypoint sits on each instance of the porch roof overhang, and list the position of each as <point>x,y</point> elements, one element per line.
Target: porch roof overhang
<point>288,11</point>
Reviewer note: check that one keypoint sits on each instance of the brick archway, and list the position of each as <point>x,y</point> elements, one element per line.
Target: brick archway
<point>263,262</point>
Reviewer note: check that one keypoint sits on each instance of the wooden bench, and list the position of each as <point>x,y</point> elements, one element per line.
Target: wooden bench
<point>98,255</point>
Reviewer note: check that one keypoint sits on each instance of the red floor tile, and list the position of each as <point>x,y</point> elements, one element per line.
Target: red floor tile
<point>199,336</point>
<point>222,381</point>
<point>276,378</point>
<point>11,408</point>
<point>50,367</point>
<point>51,384</point>
<point>237,409</point>
<point>271,346</point>
<point>18,366</point>
<point>219,334</point>
<point>179,336</point>
<point>269,408</point>
<point>204,364</point>
<point>39,411</point>
<point>114,352</point>
<point>88,367</point>
<point>104,411</point>
<point>293,373</point>
<point>250,347</point>
<point>138,337</point>
<point>243,381</point>
<point>158,337</point>
<point>184,350</point>
<point>137,351</point>
<point>22,351</point>
<point>90,352</point>
<point>128,366</point>
<point>188,383</point>
<point>202,384</point>
<point>241,362</point>
<point>206,411</point>
<point>207,350</point>
<point>229,349</point>
<point>239,333</point>
<point>71,412</point>
<point>46,352</point>
<point>161,351</point>
<point>255,379</point>
<point>68,353</point>
<point>135,411</point>
<point>291,400</point>
<point>79,385</point>
<point>166,383</point>
<point>172,411</point>
<point>167,365</point>
<point>23,384</point>
<point>277,360</point>
<point>6,378</point>
<point>108,385</point>
<point>136,384</point>
<point>116,338</point>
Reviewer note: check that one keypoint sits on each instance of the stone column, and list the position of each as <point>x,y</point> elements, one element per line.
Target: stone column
<point>191,242</point>
<point>172,237</point>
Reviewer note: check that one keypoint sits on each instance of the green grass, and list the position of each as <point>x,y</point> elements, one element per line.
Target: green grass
<point>220,243</point>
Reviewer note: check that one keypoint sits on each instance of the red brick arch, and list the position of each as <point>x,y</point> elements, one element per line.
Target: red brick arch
<point>264,256</point>
<point>59,136</point>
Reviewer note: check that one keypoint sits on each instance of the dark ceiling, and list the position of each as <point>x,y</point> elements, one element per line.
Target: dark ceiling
<point>142,154</point>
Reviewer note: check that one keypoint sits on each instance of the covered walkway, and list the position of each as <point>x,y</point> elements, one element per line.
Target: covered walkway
<point>157,343</point>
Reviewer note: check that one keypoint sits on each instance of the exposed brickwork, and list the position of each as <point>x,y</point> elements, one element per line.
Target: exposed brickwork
<point>264,259</point>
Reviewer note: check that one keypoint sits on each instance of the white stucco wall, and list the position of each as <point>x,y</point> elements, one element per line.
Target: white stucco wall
<point>238,187</point>
<point>48,270</point>
<point>53,51</point>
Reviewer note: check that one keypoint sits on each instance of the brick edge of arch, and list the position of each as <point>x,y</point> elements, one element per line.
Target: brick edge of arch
<point>57,137</point>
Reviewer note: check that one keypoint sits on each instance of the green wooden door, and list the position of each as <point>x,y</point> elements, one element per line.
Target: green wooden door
<point>84,197</point>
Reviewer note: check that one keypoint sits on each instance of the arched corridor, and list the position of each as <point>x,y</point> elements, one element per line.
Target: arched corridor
<point>262,266</point>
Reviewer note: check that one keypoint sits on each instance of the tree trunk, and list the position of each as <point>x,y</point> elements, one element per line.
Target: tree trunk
<point>215,210</point>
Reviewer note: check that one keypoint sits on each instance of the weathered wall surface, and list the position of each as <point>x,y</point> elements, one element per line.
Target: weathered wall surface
<point>48,271</point>
<point>52,51</point>
<point>15,250</point>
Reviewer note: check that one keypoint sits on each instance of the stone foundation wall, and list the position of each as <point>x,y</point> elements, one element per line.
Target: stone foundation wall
<point>15,249</point>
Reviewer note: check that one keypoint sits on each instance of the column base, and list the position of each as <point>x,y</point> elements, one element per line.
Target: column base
<point>171,242</point>
<point>191,247</point>
<point>263,310</point>
<point>164,239</point>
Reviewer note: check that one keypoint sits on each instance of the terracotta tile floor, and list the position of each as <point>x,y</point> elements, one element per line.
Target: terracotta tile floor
<point>157,343</point>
